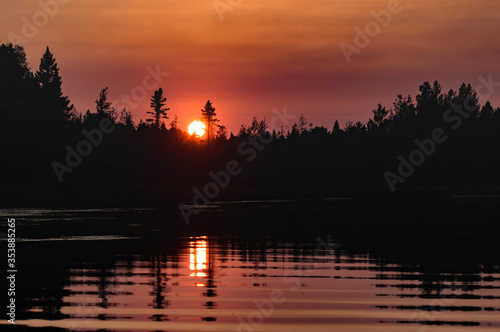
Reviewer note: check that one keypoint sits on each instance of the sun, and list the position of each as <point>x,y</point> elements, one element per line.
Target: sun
<point>196,128</point>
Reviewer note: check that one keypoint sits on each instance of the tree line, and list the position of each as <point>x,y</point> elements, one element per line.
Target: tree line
<point>38,123</point>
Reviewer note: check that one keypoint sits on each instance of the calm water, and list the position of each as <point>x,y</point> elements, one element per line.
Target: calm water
<point>115,270</point>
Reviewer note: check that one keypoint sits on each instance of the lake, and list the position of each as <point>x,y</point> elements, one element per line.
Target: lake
<point>147,270</point>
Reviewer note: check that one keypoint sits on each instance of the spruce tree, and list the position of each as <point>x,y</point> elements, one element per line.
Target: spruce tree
<point>209,116</point>
<point>55,105</point>
<point>158,101</point>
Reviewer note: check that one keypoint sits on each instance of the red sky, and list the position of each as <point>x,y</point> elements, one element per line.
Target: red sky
<point>263,55</point>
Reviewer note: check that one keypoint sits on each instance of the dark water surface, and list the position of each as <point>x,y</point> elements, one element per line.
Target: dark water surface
<point>141,270</point>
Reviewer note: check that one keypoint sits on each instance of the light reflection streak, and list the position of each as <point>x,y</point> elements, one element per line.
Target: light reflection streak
<point>198,258</point>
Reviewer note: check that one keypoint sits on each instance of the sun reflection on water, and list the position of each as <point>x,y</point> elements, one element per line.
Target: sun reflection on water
<point>198,258</point>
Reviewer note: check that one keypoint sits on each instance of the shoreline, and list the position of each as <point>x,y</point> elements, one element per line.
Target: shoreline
<point>155,196</point>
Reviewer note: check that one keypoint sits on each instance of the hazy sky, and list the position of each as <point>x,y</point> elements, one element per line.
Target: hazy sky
<point>262,55</point>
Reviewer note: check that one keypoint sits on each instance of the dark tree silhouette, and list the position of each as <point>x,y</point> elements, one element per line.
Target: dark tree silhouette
<point>486,114</point>
<point>126,118</point>
<point>158,101</point>
<point>175,122</point>
<point>209,116</point>
<point>302,124</point>
<point>55,104</point>
<point>257,127</point>
<point>379,121</point>
<point>221,132</point>
<point>17,87</point>
<point>466,94</point>
<point>103,106</point>
<point>336,128</point>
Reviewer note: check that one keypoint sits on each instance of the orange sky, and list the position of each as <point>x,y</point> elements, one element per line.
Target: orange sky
<point>263,55</point>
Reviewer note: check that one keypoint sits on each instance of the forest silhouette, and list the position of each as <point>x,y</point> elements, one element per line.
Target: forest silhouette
<point>156,163</point>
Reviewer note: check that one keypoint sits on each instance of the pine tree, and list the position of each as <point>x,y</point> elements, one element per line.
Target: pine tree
<point>302,124</point>
<point>103,106</point>
<point>486,113</point>
<point>175,122</point>
<point>221,132</point>
<point>158,101</point>
<point>336,128</point>
<point>126,118</point>
<point>54,102</point>
<point>47,70</point>
<point>209,116</point>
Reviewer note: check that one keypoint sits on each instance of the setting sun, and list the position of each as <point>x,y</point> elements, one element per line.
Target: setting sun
<point>196,128</point>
